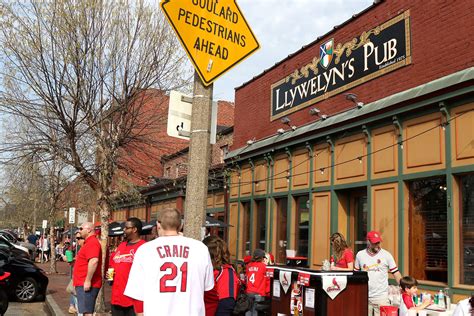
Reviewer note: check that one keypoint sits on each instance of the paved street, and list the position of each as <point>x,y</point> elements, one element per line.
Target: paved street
<point>27,309</point>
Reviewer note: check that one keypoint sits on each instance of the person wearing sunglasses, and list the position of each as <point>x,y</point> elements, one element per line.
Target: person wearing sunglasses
<point>78,244</point>
<point>87,276</point>
<point>122,263</point>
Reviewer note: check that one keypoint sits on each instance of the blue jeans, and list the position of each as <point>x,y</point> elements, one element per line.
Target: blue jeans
<point>86,300</point>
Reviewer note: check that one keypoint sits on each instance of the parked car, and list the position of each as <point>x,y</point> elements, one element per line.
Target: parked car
<point>13,240</point>
<point>17,252</point>
<point>27,282</point>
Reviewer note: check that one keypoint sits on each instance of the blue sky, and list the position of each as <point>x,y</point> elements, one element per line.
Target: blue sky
<point>283,27</point>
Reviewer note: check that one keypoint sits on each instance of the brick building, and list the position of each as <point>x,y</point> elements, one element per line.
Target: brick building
<point>368,127</point>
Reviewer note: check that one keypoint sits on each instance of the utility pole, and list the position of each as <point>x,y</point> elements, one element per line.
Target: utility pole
<point>199,156</point>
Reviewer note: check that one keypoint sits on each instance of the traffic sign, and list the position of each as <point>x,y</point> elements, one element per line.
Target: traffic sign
<point>72,215</point>
<point>214,33</point>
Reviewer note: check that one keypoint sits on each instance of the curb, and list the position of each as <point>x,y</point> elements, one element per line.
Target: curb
<point>53,307</point>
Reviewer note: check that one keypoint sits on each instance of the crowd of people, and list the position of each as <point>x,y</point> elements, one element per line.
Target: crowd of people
<point>177,275</point>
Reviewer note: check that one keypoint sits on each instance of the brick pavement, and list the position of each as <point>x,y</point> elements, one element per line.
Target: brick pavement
<point>58,283</point>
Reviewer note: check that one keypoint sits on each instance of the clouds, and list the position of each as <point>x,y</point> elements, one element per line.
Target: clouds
<point>283,27</point>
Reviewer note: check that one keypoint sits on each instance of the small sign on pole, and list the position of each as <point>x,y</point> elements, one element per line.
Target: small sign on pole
<point>72,215</point>
<point>45,224</point>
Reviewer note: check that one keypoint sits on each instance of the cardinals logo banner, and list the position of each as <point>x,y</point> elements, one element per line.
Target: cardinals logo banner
<point>285,280</point>
<point>333,285</point>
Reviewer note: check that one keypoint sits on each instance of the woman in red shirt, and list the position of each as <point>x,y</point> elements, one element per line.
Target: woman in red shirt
<point>220,301</point>
<point>343,257</point>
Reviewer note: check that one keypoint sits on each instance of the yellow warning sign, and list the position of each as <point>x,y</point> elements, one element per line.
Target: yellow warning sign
<point>214,33</point>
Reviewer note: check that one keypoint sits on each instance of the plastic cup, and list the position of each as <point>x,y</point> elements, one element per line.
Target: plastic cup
<point>110,274</point>
<point>69,256</point>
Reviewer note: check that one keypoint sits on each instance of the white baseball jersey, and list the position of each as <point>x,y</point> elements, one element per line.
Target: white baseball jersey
<point>170,274</point>
<point>377,267</point>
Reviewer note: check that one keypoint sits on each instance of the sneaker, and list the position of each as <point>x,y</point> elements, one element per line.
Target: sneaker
<point>72,310</point>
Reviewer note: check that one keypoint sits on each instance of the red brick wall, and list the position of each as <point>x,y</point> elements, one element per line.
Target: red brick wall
<point>179,165</point>
<point>216,150</point>
<point>225,113</point>
<point>441,43</point>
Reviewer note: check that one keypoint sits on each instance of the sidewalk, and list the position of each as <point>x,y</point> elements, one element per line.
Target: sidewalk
<point>56,297</point>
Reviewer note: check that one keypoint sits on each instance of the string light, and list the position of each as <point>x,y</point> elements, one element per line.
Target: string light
<point>399,143</point>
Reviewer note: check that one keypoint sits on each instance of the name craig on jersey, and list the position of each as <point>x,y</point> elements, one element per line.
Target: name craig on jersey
<point>173,251</point>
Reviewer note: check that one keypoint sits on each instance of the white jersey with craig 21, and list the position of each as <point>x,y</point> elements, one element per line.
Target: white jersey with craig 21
<point>170,274</point>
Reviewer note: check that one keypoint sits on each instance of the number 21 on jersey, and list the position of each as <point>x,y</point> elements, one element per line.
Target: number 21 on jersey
<point>171,272</point>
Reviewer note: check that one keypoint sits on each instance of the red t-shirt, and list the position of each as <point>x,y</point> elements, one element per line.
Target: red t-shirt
<point>122,261</point>
<point>257,280</point>
<point>346,258</point>
<point>408,300</point>
<point>90,249</point>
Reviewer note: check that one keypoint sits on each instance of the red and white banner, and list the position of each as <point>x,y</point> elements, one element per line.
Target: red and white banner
<point>333,285</point>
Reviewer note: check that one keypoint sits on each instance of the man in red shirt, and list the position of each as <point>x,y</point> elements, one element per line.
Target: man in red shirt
<point>122,263</point>
<point>87,277</point>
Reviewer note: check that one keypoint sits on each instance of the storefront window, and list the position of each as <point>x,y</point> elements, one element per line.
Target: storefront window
<point>302,228</point>
<point>282,213</point>
<point>467,230</point>
<point>261,227</point>
<point>428,230</point>
<point>246,229</point>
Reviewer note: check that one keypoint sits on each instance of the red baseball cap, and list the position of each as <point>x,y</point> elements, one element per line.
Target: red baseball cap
<point>374,237</point>
<point>247,259</point>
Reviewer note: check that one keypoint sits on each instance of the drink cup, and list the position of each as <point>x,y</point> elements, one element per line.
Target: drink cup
<point>69,256</point>
<point>110,274</point>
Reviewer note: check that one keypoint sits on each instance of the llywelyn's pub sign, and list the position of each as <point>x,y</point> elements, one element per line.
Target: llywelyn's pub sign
<point>343,66</point>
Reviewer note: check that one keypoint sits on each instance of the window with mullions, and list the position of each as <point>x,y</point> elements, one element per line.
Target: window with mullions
<point>302,225</point>
<point>261,209</point>
<point>428,229</point>
<point>246,229</point>
<point>466,231</point>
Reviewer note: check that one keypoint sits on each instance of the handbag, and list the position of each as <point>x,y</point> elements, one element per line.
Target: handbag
<point>70,288</point>
<point>243,303</point>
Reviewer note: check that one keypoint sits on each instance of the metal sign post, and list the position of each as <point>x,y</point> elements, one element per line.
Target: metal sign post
<point>45,224</point>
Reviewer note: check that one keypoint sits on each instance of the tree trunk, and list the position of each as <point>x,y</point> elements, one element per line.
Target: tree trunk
<point>104,217</point>
<point>52,265</point>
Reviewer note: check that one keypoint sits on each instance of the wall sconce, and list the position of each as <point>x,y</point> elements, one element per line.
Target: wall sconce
<point>250,141</point>
<point>286,120</point>
<point>353,97</point>
<point>317,112</point>
<point>280,131</point>
<point>314,111</point>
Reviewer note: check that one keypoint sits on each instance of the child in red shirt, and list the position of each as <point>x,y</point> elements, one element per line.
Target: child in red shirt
<point>409,288</point>
<point>220,301</point>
